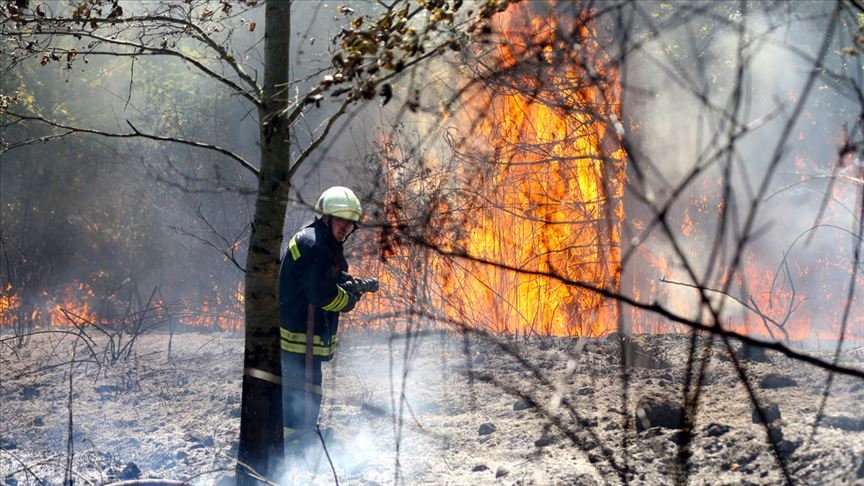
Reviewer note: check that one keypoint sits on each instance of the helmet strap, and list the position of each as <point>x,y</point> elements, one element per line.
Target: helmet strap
<point>353,229</point>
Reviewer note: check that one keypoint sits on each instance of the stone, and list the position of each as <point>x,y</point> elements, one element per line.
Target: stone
<point>776,380</point>
<point>487,428</point>
<point>8,444</point>
<point>522,405</point>
<point>29,392</point>
<point>787,447</point>
<point>771,411</point>
<point>716,430</point>
<point>658,410</point>
<point>751,353</point>
<point>546,440</point>
<point>130,471</point>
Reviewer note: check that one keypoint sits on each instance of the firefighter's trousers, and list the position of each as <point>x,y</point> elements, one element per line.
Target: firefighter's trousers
<point>301,402</point>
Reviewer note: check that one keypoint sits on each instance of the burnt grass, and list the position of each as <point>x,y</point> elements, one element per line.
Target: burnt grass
<point>434,408</point>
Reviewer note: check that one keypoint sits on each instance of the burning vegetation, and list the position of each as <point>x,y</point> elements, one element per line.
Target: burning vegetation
<point>516,221</point>
<point>520,223</point>
<point>519,213</point>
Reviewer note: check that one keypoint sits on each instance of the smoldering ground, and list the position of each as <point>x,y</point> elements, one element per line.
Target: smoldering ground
<point>432,408</point>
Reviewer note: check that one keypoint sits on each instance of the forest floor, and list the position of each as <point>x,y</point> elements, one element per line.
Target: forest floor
<point>431,408</point>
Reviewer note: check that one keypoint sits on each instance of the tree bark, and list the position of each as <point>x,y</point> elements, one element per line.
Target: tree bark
<point>261,447</point>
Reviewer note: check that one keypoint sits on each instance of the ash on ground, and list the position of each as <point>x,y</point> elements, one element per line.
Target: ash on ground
<point>438,408</point>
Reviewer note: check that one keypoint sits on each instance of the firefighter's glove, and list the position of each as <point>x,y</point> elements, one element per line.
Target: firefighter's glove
<point>353,299</point>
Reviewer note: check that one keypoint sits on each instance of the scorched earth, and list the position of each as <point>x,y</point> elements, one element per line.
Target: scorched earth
<point>434,408</point>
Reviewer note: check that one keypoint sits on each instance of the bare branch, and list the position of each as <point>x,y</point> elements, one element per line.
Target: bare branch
<point>134,134</point>
<point>652,307</point>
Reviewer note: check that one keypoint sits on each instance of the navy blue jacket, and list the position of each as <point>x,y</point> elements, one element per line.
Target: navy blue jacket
<point>311,270</point>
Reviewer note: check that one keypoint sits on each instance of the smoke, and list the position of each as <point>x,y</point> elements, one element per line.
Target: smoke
<point>719,90</point>
<point>348,453</point>
<point>104,212</point>
<point>388,384</point>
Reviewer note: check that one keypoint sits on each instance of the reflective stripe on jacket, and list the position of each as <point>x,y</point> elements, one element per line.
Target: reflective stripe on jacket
<point>311,270</point>
<point>295,342</point>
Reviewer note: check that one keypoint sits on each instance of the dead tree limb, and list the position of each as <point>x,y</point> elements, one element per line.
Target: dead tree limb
<point>70,130</point>
<point>751,306</point>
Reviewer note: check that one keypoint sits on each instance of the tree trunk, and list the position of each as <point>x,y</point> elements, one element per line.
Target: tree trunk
<point>261,414</point>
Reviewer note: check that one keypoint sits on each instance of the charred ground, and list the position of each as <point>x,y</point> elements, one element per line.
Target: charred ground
<point>432,408</point>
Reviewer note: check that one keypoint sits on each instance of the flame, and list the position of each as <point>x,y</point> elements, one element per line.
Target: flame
<point>79,305</point>
<point>217,310</point>
<point>540,192</point>
<point>804,297</point>
<point>548,201</point>
<point>784,313</point>
<point>9,304</point>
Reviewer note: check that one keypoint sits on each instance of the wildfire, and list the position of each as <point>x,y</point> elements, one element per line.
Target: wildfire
<point>79,305</point>
<point>547,201</point>
<point>221,310</point>
<point>9,304</point>
<point>533,227</point>
<point>540,193</point>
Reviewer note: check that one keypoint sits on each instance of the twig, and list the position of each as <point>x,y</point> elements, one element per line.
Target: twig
<point>653,307</point>
<point>149,482</point>
<point>327,454</point>
<point>135,134</point>
<point>70,447</point>
<point>25,467</point>
<point>754,307</point>
<point>252,473</point>
<point>847,311</point>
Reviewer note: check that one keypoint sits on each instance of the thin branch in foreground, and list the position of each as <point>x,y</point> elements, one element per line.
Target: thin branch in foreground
<point>70,446</point>
<point>652,307</point>
<point>135,134</point>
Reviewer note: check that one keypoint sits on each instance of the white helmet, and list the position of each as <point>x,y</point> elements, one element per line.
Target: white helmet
<point>340,202</point>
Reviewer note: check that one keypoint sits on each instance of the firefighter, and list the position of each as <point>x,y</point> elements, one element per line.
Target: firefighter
<point>314,287</point>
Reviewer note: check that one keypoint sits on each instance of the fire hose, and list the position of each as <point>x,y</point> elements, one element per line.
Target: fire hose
<point>360,286</point>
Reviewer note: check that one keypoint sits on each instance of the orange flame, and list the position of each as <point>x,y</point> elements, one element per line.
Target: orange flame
<point>549,200</point>
<point>9,304</point>
<point>78,304</point>
<point>541,193</point>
